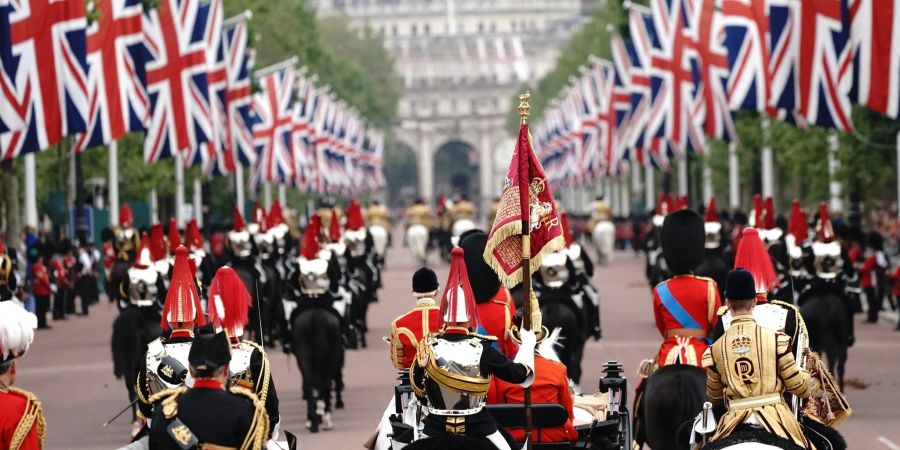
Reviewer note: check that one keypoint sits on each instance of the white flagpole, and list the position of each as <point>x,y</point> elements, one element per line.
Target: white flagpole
<point>707,181</point>
<point>834,186</point>
<point>31,214</point>
<point>179,190</point>
<point>649,188</point>
<point>626,196</point>
<point>683,175</point>
<point>734,182</point>
<point>198,201</point>
<point>635,178</point>
<point>154,207</point>
<point>113,182</point>
<point>267,194</point>
<point>282,195</point>
<point>239,185</point>
<point>614,193</point>
<point>767,165</point>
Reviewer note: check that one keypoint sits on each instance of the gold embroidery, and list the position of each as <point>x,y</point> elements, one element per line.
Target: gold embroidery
<point>456,424</point>
<point>744,370</point>
<point>167,370</point>
<point>740,344</point>
<point>182,434</point>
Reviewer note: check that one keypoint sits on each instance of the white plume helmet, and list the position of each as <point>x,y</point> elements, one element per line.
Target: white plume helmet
<point>16,331</point>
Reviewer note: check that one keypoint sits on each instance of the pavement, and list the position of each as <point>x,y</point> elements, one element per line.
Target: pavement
<point>70,368</point>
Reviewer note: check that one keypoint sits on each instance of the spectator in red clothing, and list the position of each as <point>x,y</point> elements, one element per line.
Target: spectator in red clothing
<point>872,273</point>
<point>40,287</point>
<point>61,278</point>
<point>551,385</point>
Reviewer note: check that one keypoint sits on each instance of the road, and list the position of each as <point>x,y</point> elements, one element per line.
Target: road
<point>70,369</point>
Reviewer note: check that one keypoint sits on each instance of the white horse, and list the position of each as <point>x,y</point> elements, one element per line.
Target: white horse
<point>379,238</point>
<point>417,240</point>
<point>460,226</point>
<point>604,236</point>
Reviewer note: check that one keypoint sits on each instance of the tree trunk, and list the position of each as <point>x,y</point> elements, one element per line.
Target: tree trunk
<point>11,200</point>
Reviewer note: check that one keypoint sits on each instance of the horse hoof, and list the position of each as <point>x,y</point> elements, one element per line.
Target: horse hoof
<point>326,422</point>
<point>339,403</point>
<point>313,427</point>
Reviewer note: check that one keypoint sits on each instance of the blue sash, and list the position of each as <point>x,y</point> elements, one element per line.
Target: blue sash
<point>675,309</point>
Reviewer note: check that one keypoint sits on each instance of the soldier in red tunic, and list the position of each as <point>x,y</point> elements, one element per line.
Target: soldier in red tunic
<point>22,425</point>
<point>495,305</point>
<point>407,330</point>
<point>685,305</point>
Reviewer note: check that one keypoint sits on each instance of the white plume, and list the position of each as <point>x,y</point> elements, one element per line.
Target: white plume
<point>16,330</point>
<point>547,347</point>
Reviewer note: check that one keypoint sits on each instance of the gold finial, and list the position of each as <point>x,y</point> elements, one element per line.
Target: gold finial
<point>524,106</point>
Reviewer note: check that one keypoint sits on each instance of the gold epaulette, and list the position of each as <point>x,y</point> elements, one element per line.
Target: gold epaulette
<point>169,398</point>
<point>259,427</point>
<point>785,304</point>
<point>700,277</point>
<point>722,310</point>
<point>262,382</point>
<point>33,417</point>
<point>485,337</point>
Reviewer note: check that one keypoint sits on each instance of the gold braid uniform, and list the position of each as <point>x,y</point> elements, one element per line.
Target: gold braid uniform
<point>748,369</point>
<point>600,211</point>
<point>33,417</point>
<point>419,215</point>
<point>378,215</point>
<point>462,209</point>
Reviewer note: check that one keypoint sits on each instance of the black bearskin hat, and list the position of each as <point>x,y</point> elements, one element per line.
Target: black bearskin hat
<point>682,238</point>
<point>483,279</point>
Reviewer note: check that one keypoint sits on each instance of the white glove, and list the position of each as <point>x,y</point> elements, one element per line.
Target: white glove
<point>526,355</point>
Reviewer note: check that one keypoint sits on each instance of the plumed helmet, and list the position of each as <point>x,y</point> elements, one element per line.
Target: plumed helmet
<point>458,301</point>
<point>16,331</point>
<point>228,302</point>
<point>182,306</point>
<point>751,254</point>
<point>683,240</point>
<point>483,279</point>
<point>424,283</point>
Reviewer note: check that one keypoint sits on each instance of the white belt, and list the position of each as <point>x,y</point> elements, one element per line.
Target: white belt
<point>755,402</point>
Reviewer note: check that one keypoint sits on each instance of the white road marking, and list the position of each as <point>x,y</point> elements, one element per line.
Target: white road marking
<point>888,443</point>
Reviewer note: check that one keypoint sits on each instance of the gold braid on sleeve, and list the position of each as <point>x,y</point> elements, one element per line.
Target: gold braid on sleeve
<point>262,383</point>
<point>33,416</point>
<point>259,427</point>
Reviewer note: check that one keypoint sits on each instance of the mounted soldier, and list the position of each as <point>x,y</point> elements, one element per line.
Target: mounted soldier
<point>603,231</point>
<point>419,223</point>
<point>378,220</point>
<point>462,216</point>
<point>714,264</point>
<point>239,246</point>
<point>127,241</point>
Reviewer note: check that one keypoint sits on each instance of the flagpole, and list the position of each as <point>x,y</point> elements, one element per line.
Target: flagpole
<point>113,183</point>
<point>834,186</point>
<point>649,188</point>
<point>239,186</point>
<point>734,187</point>
<point>267,194</point>
<point>154,207</point>
<point>31,214</point>
<point>179,190</point>
<point>198,201</point>
<point>524,207</point>
<point>282,195</point>
<point>767,165</point>
<point>707,181</point>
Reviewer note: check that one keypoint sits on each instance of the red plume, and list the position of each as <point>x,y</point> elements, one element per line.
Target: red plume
<point>567,232</point>
<point>182,305</point>
<point>126,219</point>
<point>259,214</point>
<point>355,220</point>
<point>752,255</point>
<point>712,214</point>
<point>825,231</point>
<point>144,255</point>
<point>238,220</point>
<point>769,214</point>
<point>798,225</point>
<point>275,216</point>
<point>450,301</point>
<point>157,242</point>
<point>682,203</point>
<point>236,302</point>
<point>758,219</point>
<point>309,248</point>
<point>334,228</point>
<point>193,237</point>
<point>663,206</point>
<point>174,237</point>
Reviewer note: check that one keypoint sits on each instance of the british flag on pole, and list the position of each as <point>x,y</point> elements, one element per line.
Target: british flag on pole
<point>174,34</point>
<point>239,115</point>
<point>272,134</point>
<point>875,43</point>
<point>303,146</point>
<point>208,154</point>
<point>746,34</point>
<point>712,102</point>
<point>45,64</point>
<point>10,118</point>
<point>116,77</point>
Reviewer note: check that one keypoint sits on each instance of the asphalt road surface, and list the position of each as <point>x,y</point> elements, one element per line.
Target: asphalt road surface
<point>70,368</point>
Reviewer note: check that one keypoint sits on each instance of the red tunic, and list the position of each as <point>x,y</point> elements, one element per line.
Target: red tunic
<point>550,386</point>
<point>699,296</point>
<point>17,406</point>
<point>408,329</point>
<point>496,316</point>
<point>41,284</point>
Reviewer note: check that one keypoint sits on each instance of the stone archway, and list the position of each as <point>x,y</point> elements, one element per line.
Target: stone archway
<point>457,170</point>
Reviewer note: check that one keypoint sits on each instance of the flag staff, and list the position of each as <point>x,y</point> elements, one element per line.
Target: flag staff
<point>179,189</point>
<point>113,184</point>
<point>524,207</point>
<point>31,214</point>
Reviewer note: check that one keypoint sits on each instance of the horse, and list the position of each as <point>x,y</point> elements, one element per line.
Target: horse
<point>459,227</point>
<point>380,240</point>
<point>604,238</point>
<point>315,332</point>
<point>560,312</point>
<point>417,237</point>
<point>133,329</point>
<point>828,322</point>
<point>672,395</point>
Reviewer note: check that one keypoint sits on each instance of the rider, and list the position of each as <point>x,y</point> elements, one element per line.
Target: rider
<point>22,423</point>
<point>453,367</point>
<point>714,264</point>
<point>378,214</point>
<point>407,330</point>
<point>419,214</point>
<point>600,211</point>
<point>685,305</point>
<point>228,304</point>
<point>750,367</point>
<point>209,415</point>
<point>462,209</point>
<point>494,302</point>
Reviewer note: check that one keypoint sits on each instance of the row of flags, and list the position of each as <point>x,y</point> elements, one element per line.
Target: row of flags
<point>183,75</point>
<point>688,65</point>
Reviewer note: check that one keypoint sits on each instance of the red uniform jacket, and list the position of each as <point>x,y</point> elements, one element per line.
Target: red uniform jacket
<point>699,297</point>
<point>866,272</point>
<point>550,386</point>
<point>59,271</point>
<point>41,284</point>
<point>496,317</point>
<point>20,407</point>
<point>408,329</point>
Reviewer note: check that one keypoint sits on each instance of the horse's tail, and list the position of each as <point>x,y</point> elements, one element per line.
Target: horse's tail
<point>674,395</point>
<point>325,336</point>
<point>126,343</point>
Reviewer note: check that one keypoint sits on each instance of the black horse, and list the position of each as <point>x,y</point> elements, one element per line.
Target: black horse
<point>133,329</point>
<point>829,322</point>
<point>563,314</point>
<point>316,337</point>
<point>672,395</point>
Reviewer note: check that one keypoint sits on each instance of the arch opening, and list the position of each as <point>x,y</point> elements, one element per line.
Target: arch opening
<point>456,170</point>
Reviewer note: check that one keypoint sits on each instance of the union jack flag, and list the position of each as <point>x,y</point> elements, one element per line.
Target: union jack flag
<point>175,35</point>
<point>303,145</point>
<point>239,115</point>
<point>611,113</point>
<point>116,78</point>
<point>875,43</point>
<point>209,155</point>
<point>320,134</point>
<point>712,103</point>
<point>272,134</point>
<point>588,100</point>
<point>746,35</point>
<point>44,86</point>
